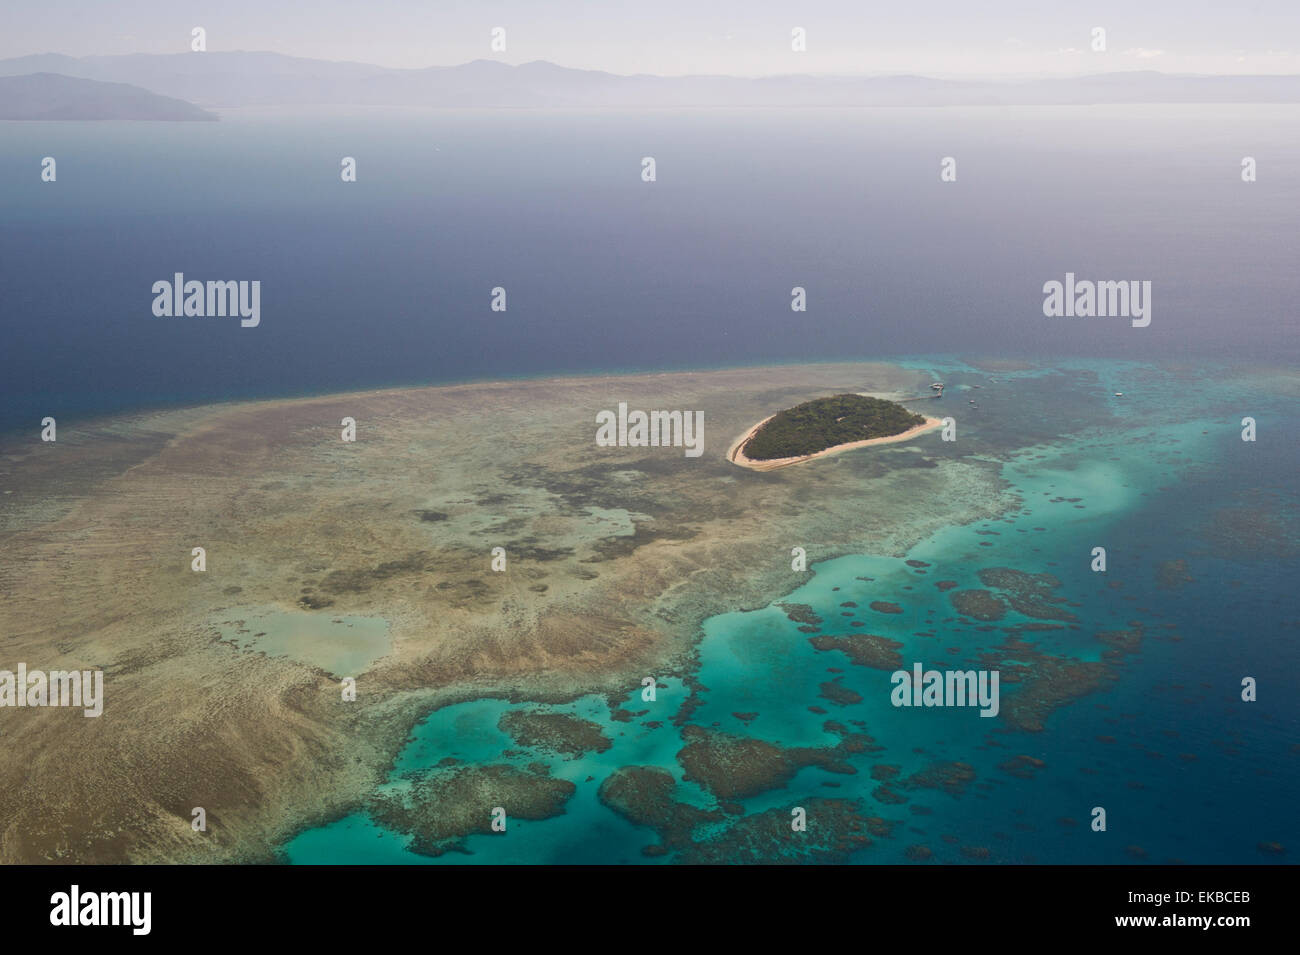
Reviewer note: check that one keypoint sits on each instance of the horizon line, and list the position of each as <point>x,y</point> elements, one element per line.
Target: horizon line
<point>946,77</point>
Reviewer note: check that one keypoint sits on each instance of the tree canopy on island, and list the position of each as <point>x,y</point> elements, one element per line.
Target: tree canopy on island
<point>826,422</point>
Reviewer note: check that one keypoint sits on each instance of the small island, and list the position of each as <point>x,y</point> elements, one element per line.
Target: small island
<point>826,426</point>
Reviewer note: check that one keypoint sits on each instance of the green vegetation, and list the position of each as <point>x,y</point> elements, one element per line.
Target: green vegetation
<point>826,422</point>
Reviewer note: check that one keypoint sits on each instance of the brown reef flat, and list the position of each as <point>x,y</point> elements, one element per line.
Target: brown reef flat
<point>615,556</point>
<point>441,809</point>
<point>735,767</point>
<point>556,732</point>
<point>864,649</point>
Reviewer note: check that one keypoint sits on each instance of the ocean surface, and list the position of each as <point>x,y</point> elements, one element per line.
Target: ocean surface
<point>1201,533</point>
<point>388,280</point>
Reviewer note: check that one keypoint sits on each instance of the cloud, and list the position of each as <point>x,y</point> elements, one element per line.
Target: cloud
<point>1142,53</point>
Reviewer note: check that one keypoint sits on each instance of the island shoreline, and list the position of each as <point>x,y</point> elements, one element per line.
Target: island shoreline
<point>736,456</point>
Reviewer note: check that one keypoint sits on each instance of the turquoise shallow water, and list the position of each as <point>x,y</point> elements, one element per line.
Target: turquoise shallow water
<point>1185,770</point>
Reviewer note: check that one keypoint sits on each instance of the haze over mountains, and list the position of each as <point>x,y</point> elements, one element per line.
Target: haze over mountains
<point>234,79</point>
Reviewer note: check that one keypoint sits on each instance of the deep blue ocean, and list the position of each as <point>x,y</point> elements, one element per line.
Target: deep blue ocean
<point>388,280</point>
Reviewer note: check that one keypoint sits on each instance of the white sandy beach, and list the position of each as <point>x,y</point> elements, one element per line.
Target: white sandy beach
<point>736,456</point>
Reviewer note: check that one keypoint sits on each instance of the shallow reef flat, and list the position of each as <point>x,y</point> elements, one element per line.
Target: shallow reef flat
<point>615,555</point>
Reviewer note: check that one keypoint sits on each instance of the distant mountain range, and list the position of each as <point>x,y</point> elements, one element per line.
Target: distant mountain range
<point>51,96</point>
<point>270,79</point>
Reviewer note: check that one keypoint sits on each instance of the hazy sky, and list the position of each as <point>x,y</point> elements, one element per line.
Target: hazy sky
<point>747,37</point>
